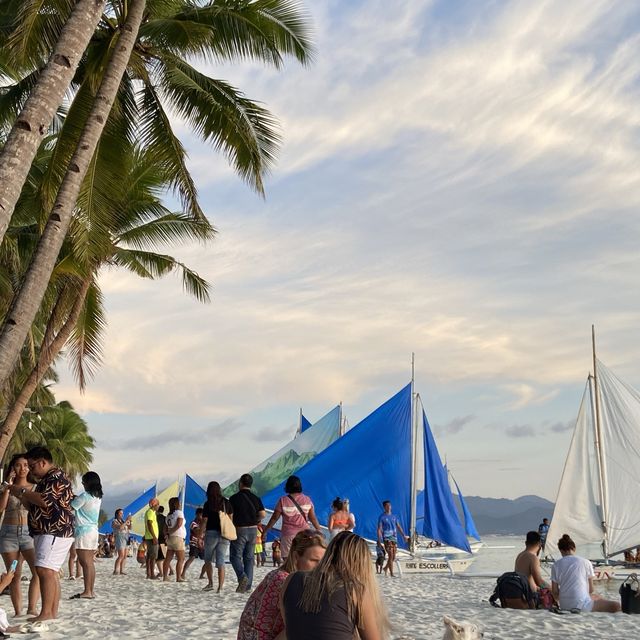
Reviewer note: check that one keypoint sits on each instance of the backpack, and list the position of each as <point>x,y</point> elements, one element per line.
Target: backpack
<point>513,591</point>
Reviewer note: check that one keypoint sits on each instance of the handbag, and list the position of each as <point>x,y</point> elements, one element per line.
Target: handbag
<point>630,594</point>
<point>227,528</point>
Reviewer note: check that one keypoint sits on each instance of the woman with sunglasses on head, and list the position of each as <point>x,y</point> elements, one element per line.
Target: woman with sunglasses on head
<point>86,507</point>
<point>261,618</point>
<point>337,599</point>
<point>15,541</point>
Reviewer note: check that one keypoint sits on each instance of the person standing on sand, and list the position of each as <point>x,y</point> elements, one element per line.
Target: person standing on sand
<point>15,541</point>
<point>50,522</point>
<point>215,546</point>
<point>248,511</point>
<point>151,537</point>
<point>340,518</point>
<point>543,530</point>
<point>121,529</point>
<point>297,513</point>
<point>528,563</point>
<point>162,541</point>
<point>196,541</point>
<point>388,526</point>
<point>176,534</point>
<point>87,514</point>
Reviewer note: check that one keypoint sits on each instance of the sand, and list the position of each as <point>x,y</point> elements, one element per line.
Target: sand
<point>131,607</point>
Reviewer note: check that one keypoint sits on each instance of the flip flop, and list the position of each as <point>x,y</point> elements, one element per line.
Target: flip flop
<point>79,596</point>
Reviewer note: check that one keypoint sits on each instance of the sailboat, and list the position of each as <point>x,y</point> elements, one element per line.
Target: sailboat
<point>600,482</point>
<point>379,459</point>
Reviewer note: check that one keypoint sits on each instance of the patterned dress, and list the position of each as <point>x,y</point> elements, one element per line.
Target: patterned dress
<point>261,619</point>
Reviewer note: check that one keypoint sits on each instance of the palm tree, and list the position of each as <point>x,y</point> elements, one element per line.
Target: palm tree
<point>173,30</point>
<point>47,89</point>
<point>140,223</point>
<point>66,435</point>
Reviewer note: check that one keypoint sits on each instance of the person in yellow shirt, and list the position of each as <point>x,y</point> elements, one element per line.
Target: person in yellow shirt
<point>151,536</point>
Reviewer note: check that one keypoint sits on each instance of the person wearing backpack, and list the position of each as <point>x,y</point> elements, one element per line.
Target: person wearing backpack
<point>248,511</point>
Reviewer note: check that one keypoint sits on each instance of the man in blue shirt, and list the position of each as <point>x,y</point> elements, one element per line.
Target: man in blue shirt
<point>388,524</point>
<point>543,530</point>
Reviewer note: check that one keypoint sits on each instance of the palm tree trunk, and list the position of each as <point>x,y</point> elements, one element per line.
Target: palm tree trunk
<point>35,118</point>
<point>48,354</point>
<point>25,305</point>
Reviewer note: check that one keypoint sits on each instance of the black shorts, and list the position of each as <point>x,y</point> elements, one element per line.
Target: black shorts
<point>194,552</point>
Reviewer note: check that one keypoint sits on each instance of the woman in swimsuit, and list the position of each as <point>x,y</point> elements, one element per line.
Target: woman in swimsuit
<point>340,519</point>
<point>15,541</point>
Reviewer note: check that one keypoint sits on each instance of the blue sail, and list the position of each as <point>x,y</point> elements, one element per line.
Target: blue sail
<point>138,504</point>
<point>441,521</point>
<point>469,524</point>
<point>194,497</point>
<point>304,424</point>
<point>368,464</point>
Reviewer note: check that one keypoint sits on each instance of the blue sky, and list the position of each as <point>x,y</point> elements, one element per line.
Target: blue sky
<point>457,179</point>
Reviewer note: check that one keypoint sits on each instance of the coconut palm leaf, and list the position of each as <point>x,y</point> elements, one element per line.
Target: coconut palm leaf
<point>169,229</point>
<point>220,114</point>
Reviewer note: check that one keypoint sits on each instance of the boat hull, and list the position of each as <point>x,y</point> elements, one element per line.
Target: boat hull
<point>448,566</point>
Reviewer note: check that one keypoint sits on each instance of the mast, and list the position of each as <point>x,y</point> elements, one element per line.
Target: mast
<point>414,453</point>
<point>599,445</point>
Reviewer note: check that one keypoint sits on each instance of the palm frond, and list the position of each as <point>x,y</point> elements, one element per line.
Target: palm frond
<point>13,96</point>
<point>169,229</point>
<point>156,265</point>
<point>245,132</point>
<point>37,29</point>
<point>85,344</point>
<point>157,137</point>
<point>231,30</point>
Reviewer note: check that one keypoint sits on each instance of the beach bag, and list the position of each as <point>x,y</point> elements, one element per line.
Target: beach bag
<point>630,594</point>
<point>513,591</point>
<point>227,528</point>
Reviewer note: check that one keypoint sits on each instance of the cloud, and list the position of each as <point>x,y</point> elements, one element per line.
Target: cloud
<point>178,435</point>
<point>453,426</point>
<point>274,434</point>
<point>521,431</point>
<point>562,427</point>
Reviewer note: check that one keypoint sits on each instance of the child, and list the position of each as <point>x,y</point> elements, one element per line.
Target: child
<point>380,554</point>
<point>259,548</point>
<point>141,555</point>
<point>276,553</point>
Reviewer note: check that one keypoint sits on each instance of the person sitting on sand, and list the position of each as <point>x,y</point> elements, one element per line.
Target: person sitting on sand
<point>388,525</point>
<point>572,581</point>
<point>528,564</point>
<point>339,599</point>
<point>141,553</point>
<point>261,618</point>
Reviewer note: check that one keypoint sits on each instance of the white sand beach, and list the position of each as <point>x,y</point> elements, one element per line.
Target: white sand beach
<point>132,607</point>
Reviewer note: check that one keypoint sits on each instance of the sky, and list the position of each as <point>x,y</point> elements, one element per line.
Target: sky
<point>459,180</point>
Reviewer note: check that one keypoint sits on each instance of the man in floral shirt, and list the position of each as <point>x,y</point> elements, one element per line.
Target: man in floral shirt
<point>50,524</point>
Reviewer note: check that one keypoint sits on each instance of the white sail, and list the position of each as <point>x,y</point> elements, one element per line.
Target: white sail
<point>577,511</point>
<point>620,428</point>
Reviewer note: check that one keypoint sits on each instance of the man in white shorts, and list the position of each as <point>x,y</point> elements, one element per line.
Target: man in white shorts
<point>50,524</point>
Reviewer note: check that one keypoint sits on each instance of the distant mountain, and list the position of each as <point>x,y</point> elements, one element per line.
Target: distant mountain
<point>501,515</point>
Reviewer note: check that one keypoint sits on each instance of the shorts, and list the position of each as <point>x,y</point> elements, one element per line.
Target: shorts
<point>196,552</point>
<point>15,537</point>
<point>390,544</point>
<point>175,543</point>
<point>87,541</point>
<point>51,551</point>
<point>152,551</point>
<point>215,545</point>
